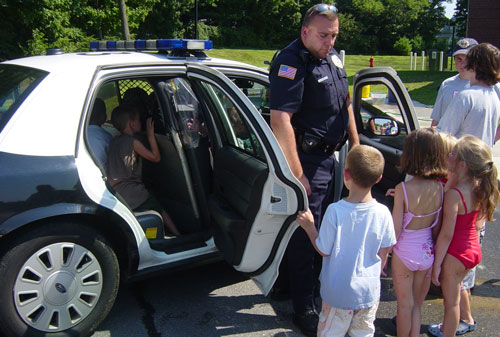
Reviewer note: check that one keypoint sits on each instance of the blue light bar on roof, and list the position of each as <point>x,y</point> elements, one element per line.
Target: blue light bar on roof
<point>163,44</point>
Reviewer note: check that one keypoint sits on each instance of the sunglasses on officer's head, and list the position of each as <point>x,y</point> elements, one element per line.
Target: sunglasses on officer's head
<point>325,8</point>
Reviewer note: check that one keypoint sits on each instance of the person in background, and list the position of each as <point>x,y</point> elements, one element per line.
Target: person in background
<point>476,110</point>
<point>311,117</point>
<point>453,85</point>
<point>354,240</point>
<point>98,137</point>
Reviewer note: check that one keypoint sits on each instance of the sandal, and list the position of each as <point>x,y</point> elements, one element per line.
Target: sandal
<point>464,327</point>
<point>435,330</point>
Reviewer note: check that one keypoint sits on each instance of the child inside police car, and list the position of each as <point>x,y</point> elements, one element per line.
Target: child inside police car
<point>125,164</point>
<point>354,240</point>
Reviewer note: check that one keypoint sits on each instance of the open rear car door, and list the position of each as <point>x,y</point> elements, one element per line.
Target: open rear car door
<point>255,197</point>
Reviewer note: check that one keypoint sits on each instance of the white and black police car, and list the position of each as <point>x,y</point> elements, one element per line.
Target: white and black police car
<point>67,238</point>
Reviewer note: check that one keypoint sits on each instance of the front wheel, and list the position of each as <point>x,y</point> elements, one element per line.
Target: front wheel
<point>57,280</point>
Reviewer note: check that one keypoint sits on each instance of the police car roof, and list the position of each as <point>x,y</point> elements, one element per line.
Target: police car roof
<point>60,63</point>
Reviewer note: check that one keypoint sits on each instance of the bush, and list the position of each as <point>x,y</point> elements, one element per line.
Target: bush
<point>417,43</point>
<point>402,46</point>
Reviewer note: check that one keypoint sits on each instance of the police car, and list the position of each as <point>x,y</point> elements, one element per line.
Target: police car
<point>67,238</point>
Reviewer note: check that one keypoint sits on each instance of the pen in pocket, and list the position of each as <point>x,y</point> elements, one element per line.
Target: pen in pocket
<point>322,79</point>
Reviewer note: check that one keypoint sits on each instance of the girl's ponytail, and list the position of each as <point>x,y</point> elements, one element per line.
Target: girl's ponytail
<point>477,155</point>
<point>487,189</point>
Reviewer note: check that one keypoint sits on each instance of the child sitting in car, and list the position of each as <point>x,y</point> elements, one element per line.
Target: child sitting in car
<point>125,164</point>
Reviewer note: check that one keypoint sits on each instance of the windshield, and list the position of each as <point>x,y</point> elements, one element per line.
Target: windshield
<point>16,83</point>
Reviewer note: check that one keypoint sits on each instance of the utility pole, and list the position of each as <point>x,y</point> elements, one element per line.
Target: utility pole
<point>453,23</point>
<point>123,17</point>
<point>196,19</point>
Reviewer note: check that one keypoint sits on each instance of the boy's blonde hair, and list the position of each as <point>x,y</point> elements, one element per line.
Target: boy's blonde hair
<point>449,142</point>
<point>122,114</point>
<point>424,155</point>
<point>477,155</point>
<point>365,165</point>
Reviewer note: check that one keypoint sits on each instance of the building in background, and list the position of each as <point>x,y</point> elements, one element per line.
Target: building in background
<point>484,21</point>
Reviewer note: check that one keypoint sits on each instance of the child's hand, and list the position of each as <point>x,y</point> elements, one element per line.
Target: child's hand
<point>305,219</point>
<point>384,268</point>
<point>390,192</point>
<point>436,270</point>
<point>150,126</point>
<point>193,125</point>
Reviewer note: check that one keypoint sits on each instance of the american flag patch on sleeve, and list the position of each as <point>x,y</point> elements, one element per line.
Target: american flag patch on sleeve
<point>287,71</point>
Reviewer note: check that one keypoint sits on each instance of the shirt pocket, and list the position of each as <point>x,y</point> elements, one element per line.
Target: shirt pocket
<point>319,88</point>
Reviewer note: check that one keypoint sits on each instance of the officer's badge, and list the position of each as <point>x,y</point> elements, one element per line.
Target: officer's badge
<point>336,60</point>
<point>287,72</point>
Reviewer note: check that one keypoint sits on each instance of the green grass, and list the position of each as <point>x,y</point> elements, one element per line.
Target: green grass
<point>422,85</point>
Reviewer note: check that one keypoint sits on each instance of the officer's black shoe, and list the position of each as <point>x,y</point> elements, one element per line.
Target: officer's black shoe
<point>307,322</point>
<point>279,294</point>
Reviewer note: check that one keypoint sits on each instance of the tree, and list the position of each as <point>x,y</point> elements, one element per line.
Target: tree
<point>253,23</point>
<point>461,14</point>
<point>124,19</point>
<point>366,26</point>
<point>31,26</point>
<point>402,46</point>
<point>374,26</point>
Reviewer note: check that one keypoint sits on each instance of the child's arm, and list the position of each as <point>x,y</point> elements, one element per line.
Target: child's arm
<point>153,154</point>
<point>383,253</point>
<point>306,221</point>
<point>436,229</point>
<point>480,221</point>
<point>450,210</point>
<point>398,210</point>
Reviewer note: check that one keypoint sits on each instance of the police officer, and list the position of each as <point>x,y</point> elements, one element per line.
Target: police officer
<point>311,117</point>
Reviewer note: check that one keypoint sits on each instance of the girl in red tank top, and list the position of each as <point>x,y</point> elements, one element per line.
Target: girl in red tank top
<point>466,207</point>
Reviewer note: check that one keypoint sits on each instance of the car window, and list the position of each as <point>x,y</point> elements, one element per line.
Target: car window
<point>258,93</point>
<point>189,118</point>
<point>381,116</point>
<point>17,82</point>
<point>136,92</point>
<point>235,127</point>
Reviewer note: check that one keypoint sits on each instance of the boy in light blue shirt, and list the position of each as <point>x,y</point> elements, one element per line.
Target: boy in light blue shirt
<point>355,237</point>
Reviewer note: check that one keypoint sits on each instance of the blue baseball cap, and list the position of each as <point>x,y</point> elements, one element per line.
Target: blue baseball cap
<point>464,45</point>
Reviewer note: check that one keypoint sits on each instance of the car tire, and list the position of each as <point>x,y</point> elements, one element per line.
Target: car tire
<point>60,279</point>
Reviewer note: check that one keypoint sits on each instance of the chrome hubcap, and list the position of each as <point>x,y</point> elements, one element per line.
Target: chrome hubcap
<point>58,287</point>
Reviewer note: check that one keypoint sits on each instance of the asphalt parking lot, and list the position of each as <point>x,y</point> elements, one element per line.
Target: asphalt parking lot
<point>214,300</point>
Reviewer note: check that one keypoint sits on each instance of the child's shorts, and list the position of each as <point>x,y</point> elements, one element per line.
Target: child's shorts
<point>151,203</point>
<point>335,322</point>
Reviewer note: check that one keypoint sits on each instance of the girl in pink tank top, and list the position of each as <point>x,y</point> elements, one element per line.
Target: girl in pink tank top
<point>416,214</point>
<point>466,207</point>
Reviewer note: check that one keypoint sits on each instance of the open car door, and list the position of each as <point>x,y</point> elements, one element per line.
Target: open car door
<point>384,116</point>
<point>255,196</point>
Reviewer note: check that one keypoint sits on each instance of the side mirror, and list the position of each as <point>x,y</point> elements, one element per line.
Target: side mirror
<point>383,126</point>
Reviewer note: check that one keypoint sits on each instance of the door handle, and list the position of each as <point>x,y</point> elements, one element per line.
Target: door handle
<point>275,200</point>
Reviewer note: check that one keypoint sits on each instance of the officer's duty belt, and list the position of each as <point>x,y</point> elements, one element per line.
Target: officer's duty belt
<point>310,143</point>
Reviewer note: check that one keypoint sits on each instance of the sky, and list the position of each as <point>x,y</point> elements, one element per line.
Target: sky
<point>450,8</point>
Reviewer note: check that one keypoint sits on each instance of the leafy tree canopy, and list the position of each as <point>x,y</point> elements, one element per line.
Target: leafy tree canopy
<point>366,26</point>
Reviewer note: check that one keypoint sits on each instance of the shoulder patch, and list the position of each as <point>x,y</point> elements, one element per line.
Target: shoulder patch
<point>287,71</point>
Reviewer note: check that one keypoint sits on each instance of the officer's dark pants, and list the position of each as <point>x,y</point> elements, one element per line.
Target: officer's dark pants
<point>297,269</point>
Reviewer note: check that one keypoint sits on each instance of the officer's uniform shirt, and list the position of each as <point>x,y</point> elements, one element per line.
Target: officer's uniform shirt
<point>315,91</point>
